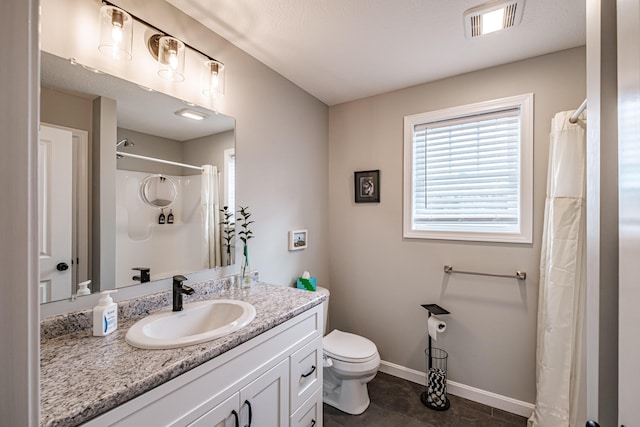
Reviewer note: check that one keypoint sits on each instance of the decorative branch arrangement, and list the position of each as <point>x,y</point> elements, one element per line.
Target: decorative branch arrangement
<point>228,230</point>
<point>245,234</point>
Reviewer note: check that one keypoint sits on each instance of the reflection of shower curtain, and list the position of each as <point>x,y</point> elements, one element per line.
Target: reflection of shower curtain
<point>561,290</point>
<point>211,217</point>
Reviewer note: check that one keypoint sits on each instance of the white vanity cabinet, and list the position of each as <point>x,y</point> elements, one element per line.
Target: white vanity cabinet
<point>277,376</point>
<point>263,402</point>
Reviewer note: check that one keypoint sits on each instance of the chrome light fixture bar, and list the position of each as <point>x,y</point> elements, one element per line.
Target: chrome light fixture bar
<point>166,49</point>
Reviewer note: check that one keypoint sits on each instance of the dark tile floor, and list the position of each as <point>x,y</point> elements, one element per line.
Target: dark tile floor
<point>396,403</point>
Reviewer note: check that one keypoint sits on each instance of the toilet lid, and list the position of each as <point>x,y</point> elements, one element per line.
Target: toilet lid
<point>348,347</point>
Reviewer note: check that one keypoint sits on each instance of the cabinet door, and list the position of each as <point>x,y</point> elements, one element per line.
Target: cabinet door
<point>223,415</point>
<point>265,401</point>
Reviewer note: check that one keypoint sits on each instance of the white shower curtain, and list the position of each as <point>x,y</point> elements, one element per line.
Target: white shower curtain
<point>562,279</point>
<point>210,203</point>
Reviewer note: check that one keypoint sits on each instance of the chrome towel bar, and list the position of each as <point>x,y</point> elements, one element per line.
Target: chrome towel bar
<point>520,275</point>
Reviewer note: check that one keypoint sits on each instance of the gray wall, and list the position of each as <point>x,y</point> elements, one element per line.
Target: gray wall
<point>63,109</point>
<point>378,279</point>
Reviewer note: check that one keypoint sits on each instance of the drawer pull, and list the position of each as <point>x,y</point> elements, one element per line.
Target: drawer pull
<point>313,369</point>
<point>313,423</point>
<point>248,404</point>
<point>235,415</point>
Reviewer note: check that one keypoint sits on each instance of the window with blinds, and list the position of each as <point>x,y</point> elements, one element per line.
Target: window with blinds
<point>467,172</point>
<point>230,181</point>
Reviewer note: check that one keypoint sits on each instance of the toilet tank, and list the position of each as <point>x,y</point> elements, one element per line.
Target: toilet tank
<point>325,307</point>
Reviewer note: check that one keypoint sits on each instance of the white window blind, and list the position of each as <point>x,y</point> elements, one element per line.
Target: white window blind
<point>469,172</point>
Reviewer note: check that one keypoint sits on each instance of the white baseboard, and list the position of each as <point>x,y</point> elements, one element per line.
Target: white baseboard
<point>457,389</point>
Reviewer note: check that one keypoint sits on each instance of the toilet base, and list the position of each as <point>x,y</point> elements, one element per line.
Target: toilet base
<point>348,395</point>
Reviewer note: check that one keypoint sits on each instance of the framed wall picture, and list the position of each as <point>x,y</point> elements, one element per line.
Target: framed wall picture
<point>297,239</point>
<point>367,186</point>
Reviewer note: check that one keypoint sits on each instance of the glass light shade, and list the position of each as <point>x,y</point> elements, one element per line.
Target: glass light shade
<point>116,33</point>
<point>213,78</point>
<point>171,59</point>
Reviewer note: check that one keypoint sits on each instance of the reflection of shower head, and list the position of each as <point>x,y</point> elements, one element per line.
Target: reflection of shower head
<point>127,143</point>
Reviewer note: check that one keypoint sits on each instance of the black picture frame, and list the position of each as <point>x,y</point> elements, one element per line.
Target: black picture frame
<point>367,186</point>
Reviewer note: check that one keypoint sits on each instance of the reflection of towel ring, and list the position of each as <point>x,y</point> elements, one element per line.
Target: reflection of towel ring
<point>158,191</point>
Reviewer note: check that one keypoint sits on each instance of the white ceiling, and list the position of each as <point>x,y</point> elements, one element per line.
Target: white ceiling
<point>341,50</point>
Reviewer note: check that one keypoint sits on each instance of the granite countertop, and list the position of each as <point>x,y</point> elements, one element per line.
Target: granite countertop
<point>82,376</point>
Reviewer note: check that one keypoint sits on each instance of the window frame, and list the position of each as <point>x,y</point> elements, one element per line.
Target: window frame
<point>524,234</point>
<point>230,181</point>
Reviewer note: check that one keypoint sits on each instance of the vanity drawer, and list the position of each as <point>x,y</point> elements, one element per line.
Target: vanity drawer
<point>306,372</point>
<point>310,413</point>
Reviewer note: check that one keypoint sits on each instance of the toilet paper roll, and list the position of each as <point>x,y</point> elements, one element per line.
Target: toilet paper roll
<point>435,327</point>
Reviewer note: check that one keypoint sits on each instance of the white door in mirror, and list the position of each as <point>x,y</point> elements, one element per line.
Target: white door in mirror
<point>54,212</point>
<point>198,322</point>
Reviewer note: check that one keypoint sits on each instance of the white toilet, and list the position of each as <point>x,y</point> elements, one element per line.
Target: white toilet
<point>350,362</point>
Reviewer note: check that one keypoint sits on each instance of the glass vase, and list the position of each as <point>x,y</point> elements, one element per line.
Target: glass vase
<point>246,269</point>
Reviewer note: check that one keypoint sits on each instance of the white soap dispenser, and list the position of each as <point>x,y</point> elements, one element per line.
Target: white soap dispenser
<point>83,288</point>
<point>105,315</point>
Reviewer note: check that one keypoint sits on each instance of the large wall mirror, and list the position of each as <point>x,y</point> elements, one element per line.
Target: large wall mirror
<point>132,183</point>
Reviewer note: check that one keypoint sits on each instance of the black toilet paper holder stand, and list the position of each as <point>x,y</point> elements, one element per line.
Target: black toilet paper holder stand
<point>433,309</point>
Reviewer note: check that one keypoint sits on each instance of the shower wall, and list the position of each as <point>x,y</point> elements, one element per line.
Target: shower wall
<point>167,249</point>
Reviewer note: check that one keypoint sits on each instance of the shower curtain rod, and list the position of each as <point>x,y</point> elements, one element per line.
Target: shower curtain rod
<point>574,117</point>
<point>153,159</point>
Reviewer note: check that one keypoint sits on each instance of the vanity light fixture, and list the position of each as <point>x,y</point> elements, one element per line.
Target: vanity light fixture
<point>116,33</point>
<point>191,114</point>
<point>213,78</point>
<point>492,16</point>
<point>116,29</point>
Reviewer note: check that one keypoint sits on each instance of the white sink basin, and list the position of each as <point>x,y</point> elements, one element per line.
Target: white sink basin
<point>197,323</point>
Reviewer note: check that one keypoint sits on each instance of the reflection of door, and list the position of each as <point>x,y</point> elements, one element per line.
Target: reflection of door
<point>54,212</point>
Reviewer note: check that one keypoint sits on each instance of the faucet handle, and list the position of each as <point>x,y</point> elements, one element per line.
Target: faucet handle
<point>179,278</point>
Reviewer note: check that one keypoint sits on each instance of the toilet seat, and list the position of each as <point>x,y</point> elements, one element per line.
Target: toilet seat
<point>348,347</point>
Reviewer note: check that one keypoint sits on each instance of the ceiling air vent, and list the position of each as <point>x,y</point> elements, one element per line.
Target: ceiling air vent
<point>492,16</point>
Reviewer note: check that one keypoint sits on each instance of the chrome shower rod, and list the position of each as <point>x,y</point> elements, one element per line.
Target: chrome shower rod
<point>574,117</point>
<point>153,159</point>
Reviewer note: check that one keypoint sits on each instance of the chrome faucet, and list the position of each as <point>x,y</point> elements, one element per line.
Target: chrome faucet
<point>178,290</point>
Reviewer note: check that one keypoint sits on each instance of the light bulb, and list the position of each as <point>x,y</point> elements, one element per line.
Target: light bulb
<point>213,78</point>
<point>116,34</point>
<point>173,60</point>
<point>117,22</point>
<point>215,81</point>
